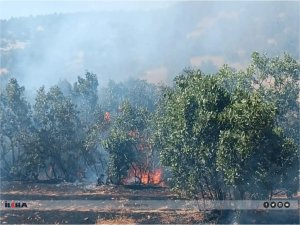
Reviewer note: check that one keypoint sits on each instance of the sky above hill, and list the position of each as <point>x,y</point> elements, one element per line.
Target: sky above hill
<point>153,40</point>
<point>23,8</point>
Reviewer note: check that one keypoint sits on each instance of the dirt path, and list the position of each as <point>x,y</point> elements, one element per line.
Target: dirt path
<point>87,204</point>
<point>77,214</point>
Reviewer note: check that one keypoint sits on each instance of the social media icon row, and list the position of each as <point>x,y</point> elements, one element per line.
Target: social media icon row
<point>277,204</point>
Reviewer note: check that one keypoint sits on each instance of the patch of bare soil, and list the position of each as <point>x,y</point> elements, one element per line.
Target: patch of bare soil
<point>87,215</point>
<point>80,191</point>
<point>76,215</point>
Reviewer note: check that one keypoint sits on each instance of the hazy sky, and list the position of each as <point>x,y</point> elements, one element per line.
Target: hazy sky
<point>20,8</point>
<point>12,8</point>
<point>152,40</point>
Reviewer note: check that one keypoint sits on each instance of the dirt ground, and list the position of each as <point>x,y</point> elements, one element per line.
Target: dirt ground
<point>79,215</point>
<point>76,215</point>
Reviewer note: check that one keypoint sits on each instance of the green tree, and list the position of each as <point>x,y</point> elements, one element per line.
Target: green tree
<point>188,130</point>
<point>130,105</point>
<point>128,144</point>
<point>138,92</point>
<point>15,126</point>
<point>85,96</point>
<point>121,155</point>
<point>253,153</point>
<point>278,81</point>
<point>92,121</point>
<point>218,139</point>
<point>57,122</point>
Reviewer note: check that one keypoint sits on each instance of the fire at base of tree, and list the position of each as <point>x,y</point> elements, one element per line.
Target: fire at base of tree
<point>231,135</point>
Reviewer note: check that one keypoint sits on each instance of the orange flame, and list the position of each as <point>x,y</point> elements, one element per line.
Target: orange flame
<point>145,177</point>
<point>154,177</point>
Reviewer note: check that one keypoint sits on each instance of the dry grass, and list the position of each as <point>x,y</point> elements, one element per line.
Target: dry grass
<point>118,220</point>
<point>180,218</point>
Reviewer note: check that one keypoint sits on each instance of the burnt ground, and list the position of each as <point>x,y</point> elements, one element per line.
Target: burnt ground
<point>89,215</point>
<point>79,215</point>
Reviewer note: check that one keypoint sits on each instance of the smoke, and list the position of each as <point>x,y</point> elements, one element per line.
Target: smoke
<point>153,43</point>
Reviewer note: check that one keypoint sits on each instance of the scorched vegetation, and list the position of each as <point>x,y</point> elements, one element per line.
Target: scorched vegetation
<point>233,134</point>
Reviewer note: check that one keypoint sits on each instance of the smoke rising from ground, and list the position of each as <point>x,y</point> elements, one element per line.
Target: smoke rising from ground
<point>153,43</point>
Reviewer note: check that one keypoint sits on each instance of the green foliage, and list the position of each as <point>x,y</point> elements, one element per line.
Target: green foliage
<point>92,124</point>
<point>121,155</point>
<point>278,81</point>
<point>85,96</point>
<point>57,122</point>
<point>15,125</point>
<point>138,92</point>
<point>188,130</point>
<point>251,153</point>
<point>217,137</point>
<point>231,134</point>
<point>130,105</point>
<point>126,140</point>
